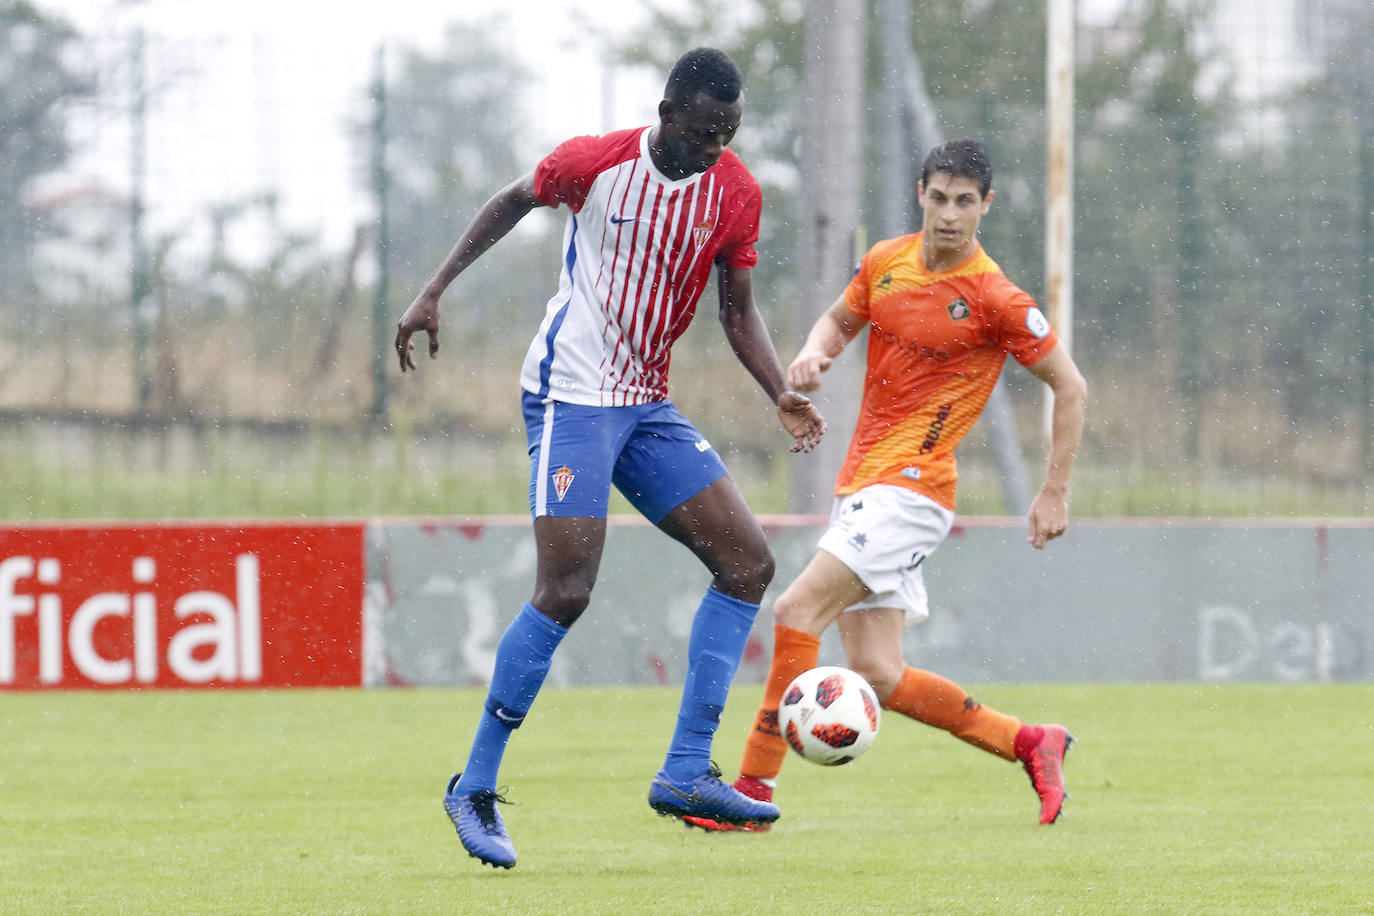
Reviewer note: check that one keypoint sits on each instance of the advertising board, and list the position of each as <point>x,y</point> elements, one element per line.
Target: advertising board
<point>181,605</point>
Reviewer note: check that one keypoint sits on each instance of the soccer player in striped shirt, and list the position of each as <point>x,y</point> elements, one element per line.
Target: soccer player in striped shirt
<point>941,319</point>
<point>652,212</point>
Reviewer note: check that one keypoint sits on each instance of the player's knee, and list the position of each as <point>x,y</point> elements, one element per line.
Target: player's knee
<point>794,612</point>
<point>879,674</point>
<point>750,571</point>
<point>764,568</point>
<point>562,602</point>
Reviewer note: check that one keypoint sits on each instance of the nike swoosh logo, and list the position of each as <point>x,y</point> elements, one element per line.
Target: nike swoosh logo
<point>617,220</point>
<point>690,799</point>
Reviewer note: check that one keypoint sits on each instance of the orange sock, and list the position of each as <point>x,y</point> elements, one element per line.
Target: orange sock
<point>794,651</point>
<point>927,697</point>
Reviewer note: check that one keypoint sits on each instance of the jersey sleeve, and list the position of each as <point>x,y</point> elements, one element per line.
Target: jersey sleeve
<point>856,293</point>
<point>739,251</point>
<point>565,175</point>
<point>859,290</point>
<point>1018,325</point>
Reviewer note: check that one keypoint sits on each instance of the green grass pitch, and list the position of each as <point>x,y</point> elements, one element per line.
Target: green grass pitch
<point>1242,799</point>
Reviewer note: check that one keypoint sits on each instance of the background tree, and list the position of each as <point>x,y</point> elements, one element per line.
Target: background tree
<point>1146,182</point>
<point>38,83</point>
<point>454,136</point>
<point>1301,249</point>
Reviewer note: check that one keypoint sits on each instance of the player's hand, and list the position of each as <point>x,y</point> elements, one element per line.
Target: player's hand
<point>1048,517</point>
<point>423,315</point>
<point>805,372</point>
<point>800,418</point>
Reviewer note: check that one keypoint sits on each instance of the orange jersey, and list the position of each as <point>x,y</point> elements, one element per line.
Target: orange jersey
<point>936,344</point>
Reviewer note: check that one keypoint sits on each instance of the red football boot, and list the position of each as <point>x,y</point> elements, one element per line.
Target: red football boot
<point>1044,763</point>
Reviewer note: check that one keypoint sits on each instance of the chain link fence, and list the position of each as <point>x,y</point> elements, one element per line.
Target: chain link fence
<point>195,301</point>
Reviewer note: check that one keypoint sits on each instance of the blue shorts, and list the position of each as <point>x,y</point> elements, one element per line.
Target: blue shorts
<point>651,452</point>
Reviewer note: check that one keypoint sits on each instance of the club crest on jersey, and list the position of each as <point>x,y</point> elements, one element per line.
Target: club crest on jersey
<point>958,310</point>
<point>701,233</point>
<point>562,480</point>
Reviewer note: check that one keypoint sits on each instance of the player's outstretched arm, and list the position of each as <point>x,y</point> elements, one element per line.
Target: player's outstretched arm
<point>753,347</point>
<point>831,333</point>
<point>1049,511</point>
<point>497,217</point>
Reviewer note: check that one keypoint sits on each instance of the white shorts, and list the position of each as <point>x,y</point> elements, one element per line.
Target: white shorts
<point>883,534</point>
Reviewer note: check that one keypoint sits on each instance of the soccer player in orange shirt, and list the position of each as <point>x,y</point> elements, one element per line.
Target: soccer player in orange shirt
<point>941,317</point>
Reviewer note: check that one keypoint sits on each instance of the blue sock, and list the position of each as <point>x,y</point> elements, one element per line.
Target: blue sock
<point>522,661</point>
<point>719,633</point>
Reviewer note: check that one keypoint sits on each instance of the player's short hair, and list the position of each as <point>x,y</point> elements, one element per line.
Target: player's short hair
<point>705,70</point>
<point>961,159</point>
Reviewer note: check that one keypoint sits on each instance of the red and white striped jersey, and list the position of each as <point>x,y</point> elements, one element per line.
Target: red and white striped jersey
<point>637,253</point>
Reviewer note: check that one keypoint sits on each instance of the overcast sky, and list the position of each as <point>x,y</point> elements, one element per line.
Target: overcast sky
<point>263,89</point>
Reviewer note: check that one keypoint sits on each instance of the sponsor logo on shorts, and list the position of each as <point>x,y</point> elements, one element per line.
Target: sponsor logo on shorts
<point>562,480</point>
<point>858,540</point>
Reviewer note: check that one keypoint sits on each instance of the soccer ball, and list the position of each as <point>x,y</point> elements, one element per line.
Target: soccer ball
<point>829,715</point>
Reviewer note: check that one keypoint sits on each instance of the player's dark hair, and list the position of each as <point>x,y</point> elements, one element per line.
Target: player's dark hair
<point>703,70</point>
<point>961,159</point>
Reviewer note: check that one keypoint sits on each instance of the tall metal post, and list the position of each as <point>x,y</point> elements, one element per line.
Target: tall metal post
<point>1059,102</point>
<point>832,186</point>
<point>381,327</point>
<point>140,283</point>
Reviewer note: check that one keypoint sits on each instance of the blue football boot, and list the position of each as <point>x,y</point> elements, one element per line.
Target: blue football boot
<point>479,825</point>
<point>707,797</point>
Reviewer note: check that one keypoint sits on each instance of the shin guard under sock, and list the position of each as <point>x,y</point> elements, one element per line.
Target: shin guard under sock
<point>719,633</point>
<point>522,661</point>
<point>794,651</point>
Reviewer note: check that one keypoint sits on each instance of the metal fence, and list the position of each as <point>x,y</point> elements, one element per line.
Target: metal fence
<point>205,281</point>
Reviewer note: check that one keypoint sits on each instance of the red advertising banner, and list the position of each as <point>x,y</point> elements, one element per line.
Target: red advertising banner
<point>181,605</point>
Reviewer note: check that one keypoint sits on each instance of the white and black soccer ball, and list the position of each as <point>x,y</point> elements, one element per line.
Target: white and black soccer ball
<point>829,715</point>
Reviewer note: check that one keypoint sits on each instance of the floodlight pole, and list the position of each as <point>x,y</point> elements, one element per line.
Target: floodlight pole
<point>1059,104</point>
